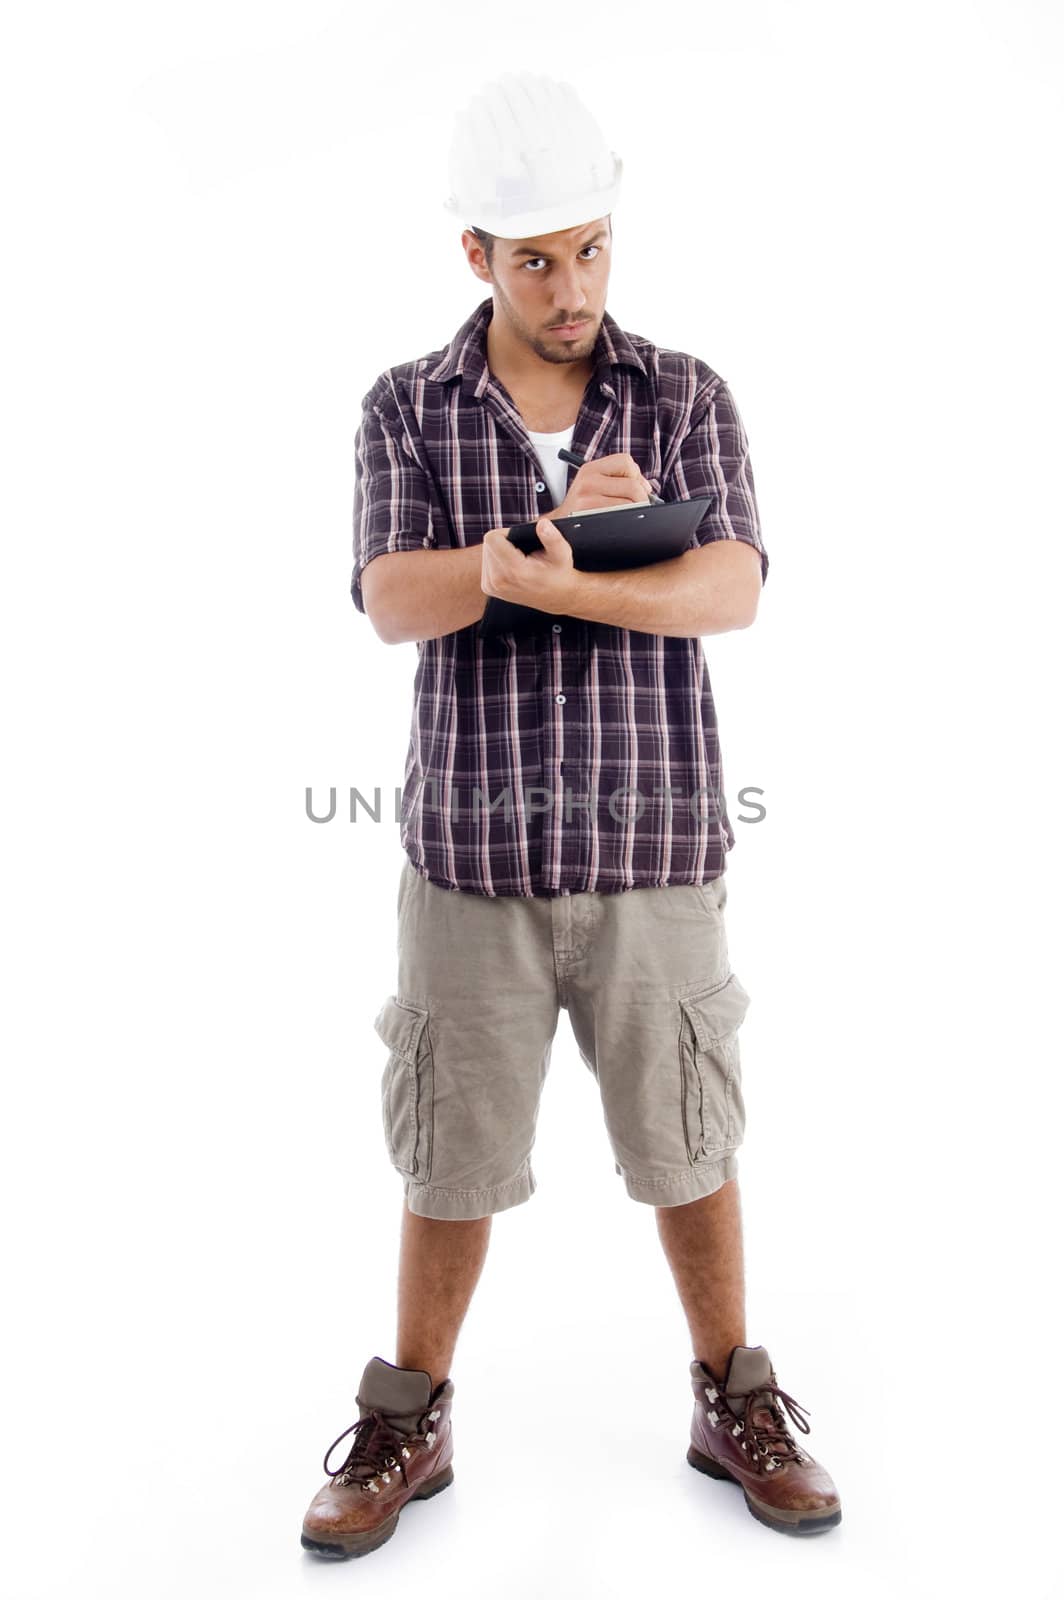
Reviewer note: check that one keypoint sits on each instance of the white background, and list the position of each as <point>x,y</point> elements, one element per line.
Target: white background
<point>223,221</point>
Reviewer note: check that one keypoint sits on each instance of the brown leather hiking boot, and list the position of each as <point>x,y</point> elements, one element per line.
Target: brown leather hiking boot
<point>401,1451</point>
<point>739,1432</point>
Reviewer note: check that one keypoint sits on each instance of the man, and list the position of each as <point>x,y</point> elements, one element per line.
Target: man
<point>606,894</point>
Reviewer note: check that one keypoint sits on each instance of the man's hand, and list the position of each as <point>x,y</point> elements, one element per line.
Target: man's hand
<point>546,579</point>
<point>607,482</point>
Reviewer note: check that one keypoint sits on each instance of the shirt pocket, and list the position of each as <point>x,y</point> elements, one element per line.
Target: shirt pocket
<point>714,1116</point>
<point>407,1086</point>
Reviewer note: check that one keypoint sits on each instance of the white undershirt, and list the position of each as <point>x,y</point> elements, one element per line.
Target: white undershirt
<point>555,471</point>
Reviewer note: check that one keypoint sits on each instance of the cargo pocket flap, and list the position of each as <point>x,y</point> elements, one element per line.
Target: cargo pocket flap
<point>717,1014</point>
<point>400,1026</point>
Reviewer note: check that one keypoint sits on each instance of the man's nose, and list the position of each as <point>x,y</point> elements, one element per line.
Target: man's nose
<point>569,294</point>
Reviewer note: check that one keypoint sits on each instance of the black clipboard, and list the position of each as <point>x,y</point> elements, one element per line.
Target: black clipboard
<point>602,541</point>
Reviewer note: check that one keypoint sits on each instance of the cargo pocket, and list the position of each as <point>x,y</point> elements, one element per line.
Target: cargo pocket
<point>714,1116</point>
<point>407,1086</point>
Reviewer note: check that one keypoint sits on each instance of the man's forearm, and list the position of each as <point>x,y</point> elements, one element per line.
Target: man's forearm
<point>423,594</point>
<point>690,595</point>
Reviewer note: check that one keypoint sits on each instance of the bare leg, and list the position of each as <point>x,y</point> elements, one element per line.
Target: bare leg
<point>703,1242</point>
<point>439,1265</point>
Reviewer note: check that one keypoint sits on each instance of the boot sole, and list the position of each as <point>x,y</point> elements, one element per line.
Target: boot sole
<point>362,1545</point>
<point>772,1519</point>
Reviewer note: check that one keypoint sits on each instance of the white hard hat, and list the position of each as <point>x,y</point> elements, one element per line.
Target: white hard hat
<point>528,158</point>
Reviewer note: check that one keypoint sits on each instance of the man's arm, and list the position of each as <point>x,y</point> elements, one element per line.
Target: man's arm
<point>423,594</point>
<point>716,585</point>
<point>709,590</point>
<point>413,590</point>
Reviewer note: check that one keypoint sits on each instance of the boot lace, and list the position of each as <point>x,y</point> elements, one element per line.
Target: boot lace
<point>768,1439</point>
<point>377,1448</point>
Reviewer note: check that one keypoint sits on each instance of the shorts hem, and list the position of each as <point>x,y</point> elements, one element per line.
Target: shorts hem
<point>677,1188</point>
<point>463,1205</point>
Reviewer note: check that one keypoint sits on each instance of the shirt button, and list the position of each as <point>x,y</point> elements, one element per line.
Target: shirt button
<point>560,699</point>
<point>557,627</point>
<point>540,486</point>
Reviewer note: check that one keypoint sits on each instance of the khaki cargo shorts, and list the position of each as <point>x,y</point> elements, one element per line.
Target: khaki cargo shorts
<point>654,1007</point>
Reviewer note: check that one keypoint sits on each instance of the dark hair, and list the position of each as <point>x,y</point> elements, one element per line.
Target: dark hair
<point>488,239</point>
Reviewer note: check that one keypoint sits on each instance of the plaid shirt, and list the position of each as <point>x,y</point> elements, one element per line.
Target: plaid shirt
<point>542,764</point>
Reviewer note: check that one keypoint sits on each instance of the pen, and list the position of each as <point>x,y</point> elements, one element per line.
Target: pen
<point>578,461</point>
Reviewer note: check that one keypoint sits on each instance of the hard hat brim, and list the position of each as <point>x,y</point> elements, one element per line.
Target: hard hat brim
<point>572,213</point>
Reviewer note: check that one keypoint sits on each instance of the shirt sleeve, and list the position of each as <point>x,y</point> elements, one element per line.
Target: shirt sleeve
<point>714,459</point>
<point>393,509</point>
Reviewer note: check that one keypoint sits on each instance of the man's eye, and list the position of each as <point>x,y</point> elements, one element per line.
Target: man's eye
<point>534,259</point>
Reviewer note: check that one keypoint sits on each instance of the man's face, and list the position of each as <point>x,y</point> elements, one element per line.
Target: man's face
<point>556,278</point>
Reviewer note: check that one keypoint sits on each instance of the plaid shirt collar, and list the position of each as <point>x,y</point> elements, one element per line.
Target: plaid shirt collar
<point>466,356</point>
